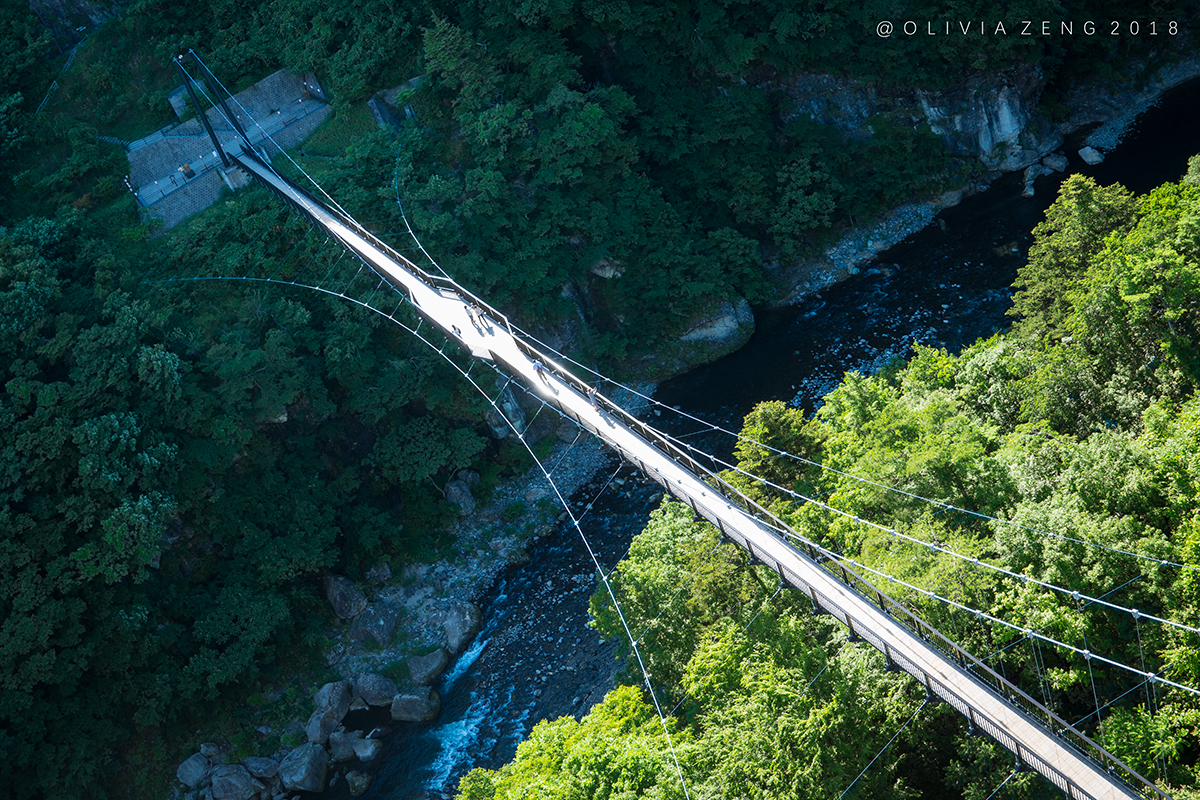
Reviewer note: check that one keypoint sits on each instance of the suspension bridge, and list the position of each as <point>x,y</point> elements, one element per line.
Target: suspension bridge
<point>1040,739</point>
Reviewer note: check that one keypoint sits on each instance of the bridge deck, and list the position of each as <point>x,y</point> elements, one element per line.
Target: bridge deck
<point>1067,768</point>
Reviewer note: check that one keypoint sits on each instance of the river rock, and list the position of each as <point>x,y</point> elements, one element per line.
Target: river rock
<point>1056,162</point>
<point>426,669</point>
<point>192,772</point>
<point>1091,155</point>
<point>377,622</point>
<point>458,493</point>
<point>461,625</point>
<point>341,745</point>
<point>335,695</point>
<point>725,323</point>
<point>347,599</point>
<point>469,476</point>
<point>305,768</point>
<point>367,749</point>
<point>321,724</point>
<point>261,767</point>
<point>375,689</point>
<point>234,782</point>
<point>357,782</point>
<point>420,705</point>
<point>211,750</point>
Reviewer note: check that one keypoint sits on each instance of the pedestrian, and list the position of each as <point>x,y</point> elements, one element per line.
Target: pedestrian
<point>471,315</point>
<point>541,373</point>
<point>592,398</point>
<point>457,332</point>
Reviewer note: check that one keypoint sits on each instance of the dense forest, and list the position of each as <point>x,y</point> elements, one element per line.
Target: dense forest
<point>182,463</point>
<point>1077,432</point>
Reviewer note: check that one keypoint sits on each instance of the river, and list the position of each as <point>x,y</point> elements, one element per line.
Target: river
<point>536,658</point>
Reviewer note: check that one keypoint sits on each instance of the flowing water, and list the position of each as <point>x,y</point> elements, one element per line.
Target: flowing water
<point>536,658</point>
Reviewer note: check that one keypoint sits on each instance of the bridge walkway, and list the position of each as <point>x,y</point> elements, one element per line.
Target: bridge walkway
<point>885,624</point>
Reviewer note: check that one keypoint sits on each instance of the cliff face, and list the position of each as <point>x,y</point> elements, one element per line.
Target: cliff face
<point>991,118</point>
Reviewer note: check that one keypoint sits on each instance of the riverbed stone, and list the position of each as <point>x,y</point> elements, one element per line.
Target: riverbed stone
<point>420,705</point>
<point>1056,162</point>
<point>1091,155</point>
<point>192,772</point>
<point>458,493</point>
<point>461,625</point>
<point>367,749</point>
<point>426,669</point>
<point>261,767</point>
<point>341,745</point>
<point>376,689</point>
<point>234,782</point>
<point>377,622</point>
<point>347,600</point>
<point>305,768</point>
<point>357,783</point>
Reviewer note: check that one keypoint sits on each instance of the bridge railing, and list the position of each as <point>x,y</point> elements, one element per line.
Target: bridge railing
<point>1004,689</point>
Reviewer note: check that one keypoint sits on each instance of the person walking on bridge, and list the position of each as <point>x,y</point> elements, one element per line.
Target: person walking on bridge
<point>541,372</point>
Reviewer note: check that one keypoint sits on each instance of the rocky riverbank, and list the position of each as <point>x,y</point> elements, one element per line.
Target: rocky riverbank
<point>398,633</point>
<point>1029,142</point>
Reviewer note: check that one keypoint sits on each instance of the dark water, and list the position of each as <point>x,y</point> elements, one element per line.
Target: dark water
<point>536,658</point>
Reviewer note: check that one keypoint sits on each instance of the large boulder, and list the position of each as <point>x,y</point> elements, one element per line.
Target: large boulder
<point>458,493</point>
<point>347,600</point>
<point>1091,155</point>
<point>1056,162</point>
<point>377,622</point>
<point>375,689</point>
<point>367,749</point>
<point>420,705</point>
<point>341,745</point>
<point>193,771</point>
<point>335,695</point>
<point>322,723</point>
<point>426,669</point>
<point>304,769</point>
<point>357,782</point>
<point>234,782</point>
<point>261,767</point>
<point>461,624</point>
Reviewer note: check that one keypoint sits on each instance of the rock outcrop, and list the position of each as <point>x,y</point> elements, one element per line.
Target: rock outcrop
<point>421,705</point>
<point>304,769</point>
